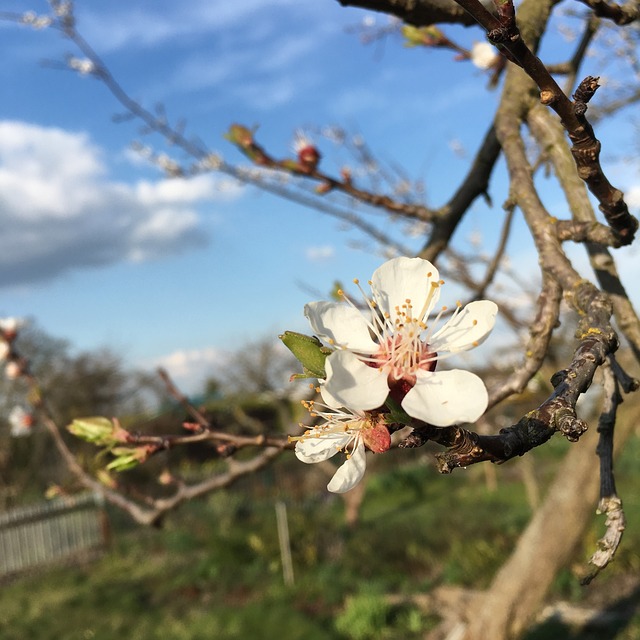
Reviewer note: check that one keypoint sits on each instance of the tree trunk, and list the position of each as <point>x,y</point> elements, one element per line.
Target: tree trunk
<point>547,544</point>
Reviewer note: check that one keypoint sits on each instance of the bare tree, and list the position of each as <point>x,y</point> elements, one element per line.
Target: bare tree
<point>537,123</point>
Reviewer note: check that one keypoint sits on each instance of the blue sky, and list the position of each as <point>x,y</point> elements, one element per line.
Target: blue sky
<point>103,250</point>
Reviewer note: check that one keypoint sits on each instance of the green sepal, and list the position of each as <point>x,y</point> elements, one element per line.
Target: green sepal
<point>309,351</point>
<point>396,415</point>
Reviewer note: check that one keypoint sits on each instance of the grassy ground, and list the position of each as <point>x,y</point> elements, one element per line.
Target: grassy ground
<point>214,569</point>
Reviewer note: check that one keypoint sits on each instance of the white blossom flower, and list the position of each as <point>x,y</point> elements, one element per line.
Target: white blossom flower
<point>34,20</point>
<point>391,349</point>
<point>342,430</point>
<point>483,55</point>
<point>84,66</point>
<point>21,422</point>
<point>12,370</point>
<point>10,326</point>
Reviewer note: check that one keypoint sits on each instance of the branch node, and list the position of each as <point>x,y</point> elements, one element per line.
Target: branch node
<point>569,425</point>
<point>547,97</point>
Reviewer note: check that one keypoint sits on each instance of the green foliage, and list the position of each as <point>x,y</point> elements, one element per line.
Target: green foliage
<point>363,617</point>
<point>214,570</point>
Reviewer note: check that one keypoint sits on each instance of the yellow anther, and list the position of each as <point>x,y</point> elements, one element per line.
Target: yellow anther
<point>475,343</point>
<point>340,292</point>
<point>475,322</point>
<point>356,281</point>
<point>458,303</point>
<point>440,282</point>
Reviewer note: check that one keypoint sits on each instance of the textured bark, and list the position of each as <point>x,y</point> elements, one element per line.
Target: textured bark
<point>546,546</point>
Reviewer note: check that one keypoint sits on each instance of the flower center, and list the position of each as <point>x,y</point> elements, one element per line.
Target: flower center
<point>403,351</point>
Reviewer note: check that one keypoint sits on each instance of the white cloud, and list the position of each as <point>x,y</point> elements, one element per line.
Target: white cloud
<point>190,368</point>
<point>632,197</point>
<point>320,253</point>
<point>160,21</point>
<point>59,210</point>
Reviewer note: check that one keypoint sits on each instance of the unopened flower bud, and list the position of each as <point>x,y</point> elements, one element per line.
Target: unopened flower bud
<point>323,187</point>
<point>309,157</point>
<point>377,438</point>
<point>307,153</point>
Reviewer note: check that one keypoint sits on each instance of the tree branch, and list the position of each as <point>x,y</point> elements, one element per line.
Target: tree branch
<point>420,13</point>
<point>504,33</point>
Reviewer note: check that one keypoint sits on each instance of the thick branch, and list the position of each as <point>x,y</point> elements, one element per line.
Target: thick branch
<point>620,14</point>
<point>583,226</point>
<point>420,13</point>
<point>476,183</point>
<point>504,33</point>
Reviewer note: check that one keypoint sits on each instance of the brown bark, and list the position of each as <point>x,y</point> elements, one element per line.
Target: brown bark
<point>547,544</point>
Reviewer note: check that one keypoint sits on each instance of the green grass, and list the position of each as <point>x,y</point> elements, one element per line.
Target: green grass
<point>214,570</point>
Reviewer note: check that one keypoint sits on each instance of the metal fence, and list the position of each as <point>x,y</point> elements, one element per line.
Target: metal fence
<point>61,529</point>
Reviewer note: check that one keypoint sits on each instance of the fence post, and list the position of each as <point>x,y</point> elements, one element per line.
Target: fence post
<point>285,545</point>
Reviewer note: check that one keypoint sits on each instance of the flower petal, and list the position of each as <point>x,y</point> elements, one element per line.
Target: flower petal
<point>469,328</point>
<point>319,446</point>
<point>443,398</point>
<point>402,279</point>
<point>342,324</point>
<point>351,383</point>
<point>351,472</point>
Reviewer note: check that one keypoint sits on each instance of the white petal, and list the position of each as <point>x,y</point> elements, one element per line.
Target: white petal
<point>319,446</point>
<point>351,383</point>
<point>466,330</point>
<point>443,398</point>
<point>350,473</point>
<point>406,278</point>
<point>483,55</point>
<point>343,324</point>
